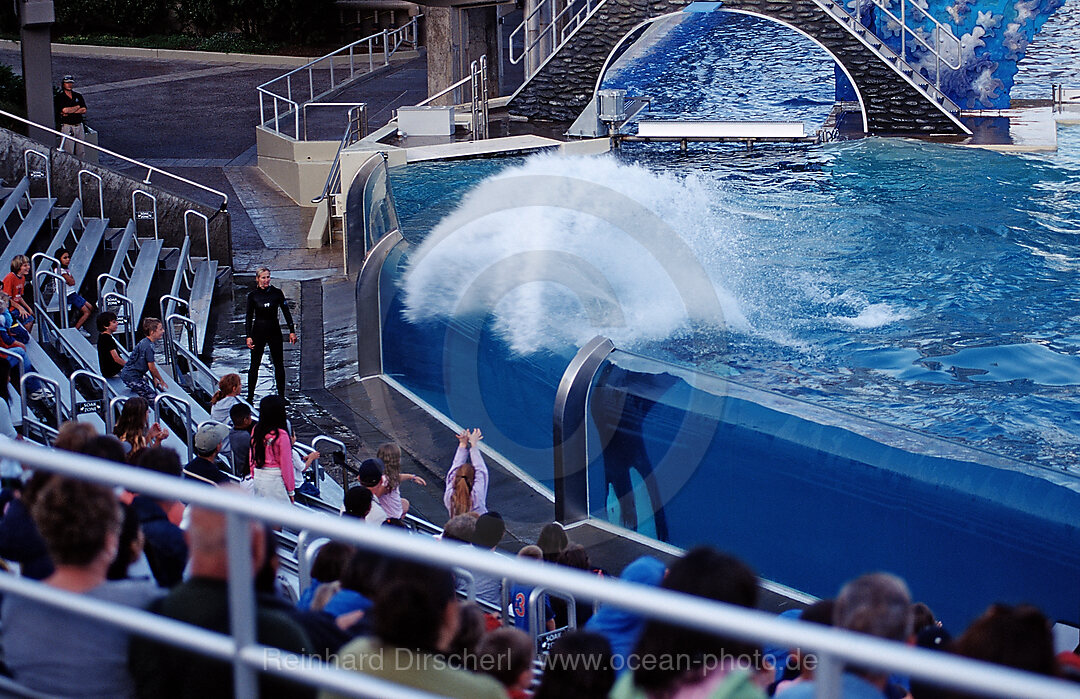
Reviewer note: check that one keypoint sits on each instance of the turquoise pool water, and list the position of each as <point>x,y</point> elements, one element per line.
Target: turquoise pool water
<point>928,288</point>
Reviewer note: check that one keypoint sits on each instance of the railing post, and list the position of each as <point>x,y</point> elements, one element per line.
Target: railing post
<point>241,600</point>
<point>385,48</point>
<point>903,30</point>
<point>368,305</point>
<point>828,677</point>
<point>571,456</point>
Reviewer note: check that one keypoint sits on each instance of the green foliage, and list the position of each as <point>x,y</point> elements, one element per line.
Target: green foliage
<point>124,17</point>
<point>235,26</point>
<point>12,91</point>
<point>284,21</point>
<point>224,42</point>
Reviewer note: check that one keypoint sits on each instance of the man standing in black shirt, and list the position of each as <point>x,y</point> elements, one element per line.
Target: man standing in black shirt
<point>264,329</point>
<point>70,108</point>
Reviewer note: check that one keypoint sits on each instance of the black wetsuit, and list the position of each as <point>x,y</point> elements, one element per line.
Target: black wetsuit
<point>264,329</point>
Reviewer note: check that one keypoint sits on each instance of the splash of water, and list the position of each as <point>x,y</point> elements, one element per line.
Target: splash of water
<point>564,266</point>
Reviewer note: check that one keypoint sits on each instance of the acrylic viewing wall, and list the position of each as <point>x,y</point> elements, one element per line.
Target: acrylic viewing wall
<point>811,497</point>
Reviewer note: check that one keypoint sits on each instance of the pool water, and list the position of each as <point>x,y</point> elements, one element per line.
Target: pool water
<point>928,287</point>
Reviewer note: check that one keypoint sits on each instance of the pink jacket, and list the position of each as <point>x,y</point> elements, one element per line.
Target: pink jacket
<point>480,485</point>
<point>279,456</point>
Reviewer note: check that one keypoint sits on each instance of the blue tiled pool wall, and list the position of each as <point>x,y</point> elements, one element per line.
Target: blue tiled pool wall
<point>811,506</point>
<point>994,35</point>
<point>466,372</point>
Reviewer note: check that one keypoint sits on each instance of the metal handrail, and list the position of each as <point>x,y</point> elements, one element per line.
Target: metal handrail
<point>437,95</point>
<point>478,121</point>
<point>61,297</point>
<point>100,191</point>
<point>117,281</point>
<point>172,301</point>
<point>906,30</point>
<point>570,24</point>
<point>344,451</point>
<point>536,609</point>
<point>184,414</point>
<point>407,33</point>
<point>26,166</point>
<point>172,347</point>
<point>29,417</point>
<point>189,354</point>
<point>106,389</point>
<point>355,128</point>
<point>206,229</point>
<point>150,169</point>
<point>349,115</point>
<point>115,298</point>
<point>830,645</point>
<point>153,211</point>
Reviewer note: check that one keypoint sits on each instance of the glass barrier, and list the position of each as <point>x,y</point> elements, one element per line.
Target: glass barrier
<point>812,497</point>
<point>462,369</point>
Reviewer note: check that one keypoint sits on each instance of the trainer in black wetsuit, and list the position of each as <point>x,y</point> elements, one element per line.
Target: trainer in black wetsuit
<point>264,328</point>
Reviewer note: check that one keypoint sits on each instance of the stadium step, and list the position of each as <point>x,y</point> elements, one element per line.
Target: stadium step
<point>202,296</point>
<point>28,230</point>
<point>142,276</point>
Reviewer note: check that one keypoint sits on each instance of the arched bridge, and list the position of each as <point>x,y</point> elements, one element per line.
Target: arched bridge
<point>894,97</point>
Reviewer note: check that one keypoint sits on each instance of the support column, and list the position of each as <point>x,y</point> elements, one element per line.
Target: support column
<point>35,21</point>
<point>455,38</point>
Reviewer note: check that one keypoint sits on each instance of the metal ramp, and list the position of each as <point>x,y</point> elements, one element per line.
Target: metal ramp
<point>202,296</point>
<point>121,266</point>
<point>142,276</point>
<point>17,197</point>
<point>79,235</point>
<point>19,243</point>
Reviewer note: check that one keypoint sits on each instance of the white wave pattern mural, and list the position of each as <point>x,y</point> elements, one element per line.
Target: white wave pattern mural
<point>994,36</point>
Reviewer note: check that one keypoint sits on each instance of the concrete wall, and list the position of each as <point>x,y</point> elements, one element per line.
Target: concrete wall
<point>299,168</point>
<point>565,84</point>
<point>117,189</point>
<point>455,38</point>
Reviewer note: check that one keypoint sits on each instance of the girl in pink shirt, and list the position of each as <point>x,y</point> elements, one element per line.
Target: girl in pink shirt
<point>271,452</point>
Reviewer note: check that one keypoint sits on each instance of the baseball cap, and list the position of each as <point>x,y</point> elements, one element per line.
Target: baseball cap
<point>209,436</point>
<point>68,79</point>
<point>371,472</point>
<point>358,501</point>
<point>489,530</point>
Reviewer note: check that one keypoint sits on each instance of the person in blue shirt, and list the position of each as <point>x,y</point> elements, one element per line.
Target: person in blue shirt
<point>621,627</point>
<point>519,597</point>
<point>141,362</point>
<point>877,604</point>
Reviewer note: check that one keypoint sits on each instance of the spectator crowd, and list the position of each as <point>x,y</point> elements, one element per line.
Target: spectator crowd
<point>401,620</point>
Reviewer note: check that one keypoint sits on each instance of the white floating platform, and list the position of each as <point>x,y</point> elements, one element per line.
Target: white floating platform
<point>471,149</point>
<point>720,131</point>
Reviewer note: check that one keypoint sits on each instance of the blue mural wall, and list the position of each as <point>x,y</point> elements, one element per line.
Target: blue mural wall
<point>991,36</point>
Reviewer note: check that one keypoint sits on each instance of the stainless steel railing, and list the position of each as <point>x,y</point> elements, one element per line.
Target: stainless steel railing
<point>542,33</point>
<point>151,171</point>
<point>942,34</point>
<point>287,94</point>
<point>832,647</point>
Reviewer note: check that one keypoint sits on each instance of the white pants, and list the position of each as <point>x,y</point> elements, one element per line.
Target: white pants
<point>77,131</point>
<point>268,484</point>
